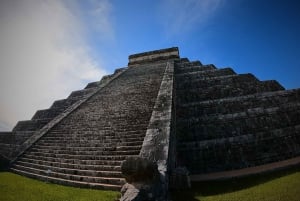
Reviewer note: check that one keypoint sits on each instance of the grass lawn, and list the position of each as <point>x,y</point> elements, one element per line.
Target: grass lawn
<point>280,186</point>
<point>17,188</point>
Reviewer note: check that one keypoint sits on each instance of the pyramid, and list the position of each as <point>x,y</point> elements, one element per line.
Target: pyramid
<point>178,113</point>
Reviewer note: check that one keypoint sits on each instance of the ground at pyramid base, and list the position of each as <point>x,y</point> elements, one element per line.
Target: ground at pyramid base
<point>194,121</point>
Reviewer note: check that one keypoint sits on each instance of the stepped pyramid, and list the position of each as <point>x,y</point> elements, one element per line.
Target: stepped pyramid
<point>176,112</point>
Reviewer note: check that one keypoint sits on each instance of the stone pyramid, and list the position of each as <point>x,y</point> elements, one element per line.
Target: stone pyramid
<point>172,111</point>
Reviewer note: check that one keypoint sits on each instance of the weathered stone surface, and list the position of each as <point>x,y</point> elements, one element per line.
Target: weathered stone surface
<point>180,179</point>
<point>143,181</point>
<point>87,146</point>
<point>141,192</point>
<point>226,121</point>
<point>154,56</point>
<point>138,169</point>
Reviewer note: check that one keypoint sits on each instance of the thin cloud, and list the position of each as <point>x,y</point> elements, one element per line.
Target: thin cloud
<point>101,15</point>
<point>180,16</point>
<point>97,17</point>
<point>44,55</point>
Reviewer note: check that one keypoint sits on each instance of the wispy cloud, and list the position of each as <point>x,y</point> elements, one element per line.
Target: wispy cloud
<point>180,16</point>
<point>101,17</point>
<point>44,55</point>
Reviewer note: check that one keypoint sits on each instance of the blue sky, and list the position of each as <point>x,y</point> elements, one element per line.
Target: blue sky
<point>51,47</point>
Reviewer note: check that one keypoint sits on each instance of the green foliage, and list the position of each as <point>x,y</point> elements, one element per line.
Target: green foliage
<point>280,186</point>
<point>17,188</point>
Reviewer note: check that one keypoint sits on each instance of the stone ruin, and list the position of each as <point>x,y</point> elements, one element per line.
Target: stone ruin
<point>170,119</point>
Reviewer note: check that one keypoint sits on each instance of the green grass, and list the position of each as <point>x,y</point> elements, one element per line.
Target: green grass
<point>17,188</point>
<point>279,186</point>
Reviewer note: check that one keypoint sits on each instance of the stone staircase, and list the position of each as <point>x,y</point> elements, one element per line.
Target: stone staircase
<point>86,148</point>
<point>227,121</point>
<point>23,130</point>
<point>167,109</point>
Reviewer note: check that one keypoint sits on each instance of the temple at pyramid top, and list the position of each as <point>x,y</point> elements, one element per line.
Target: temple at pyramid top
<point>152,56</point>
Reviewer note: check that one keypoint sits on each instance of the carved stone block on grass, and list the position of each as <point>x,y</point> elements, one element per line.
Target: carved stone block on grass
<point>143,180</point>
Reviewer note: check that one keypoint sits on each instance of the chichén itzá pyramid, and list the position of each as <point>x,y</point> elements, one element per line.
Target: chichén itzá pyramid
<point>190,120</point>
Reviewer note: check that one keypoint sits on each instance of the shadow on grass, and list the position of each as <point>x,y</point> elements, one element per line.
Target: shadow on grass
<point>208,188</point>
<point>184,195</point>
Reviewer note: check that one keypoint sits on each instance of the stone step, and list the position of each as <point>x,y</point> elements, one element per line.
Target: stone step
<point>75,147</point>
<point>95,143</point>
<point>113,160</point>
<point>101,132</point>
<point>202,74</point>
<point>82,93</point>
<point>255,97</point>
<point>218,126</point>
<point>80,157</point>
<point>221,91</point>
<point>67,181</point>
<point>185,64</point>
<point>7,150</point>
<point>47,113</point>
<point>247,113</point>
<point>103,139</point>
<point>21,136</point>
<point>241,139</point>
<point>27,162</point>
<point>123,148</point>
<point>121,120</point>
<point>7,137</point>
<point>273,85</point>
<point>103,79</point>
<point>183,60</point>
<point>242,151</point>
<point>225,82</point>
<point>64,103</point>
<point>30,125</point>
<point>61,129</point>
<point>237,104</point>
<point>77,152</point>
<point>92,85</point>
<point>203,83</point>
<point>69,167</point>
<point>61,172</point>
<point>186,69</point>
